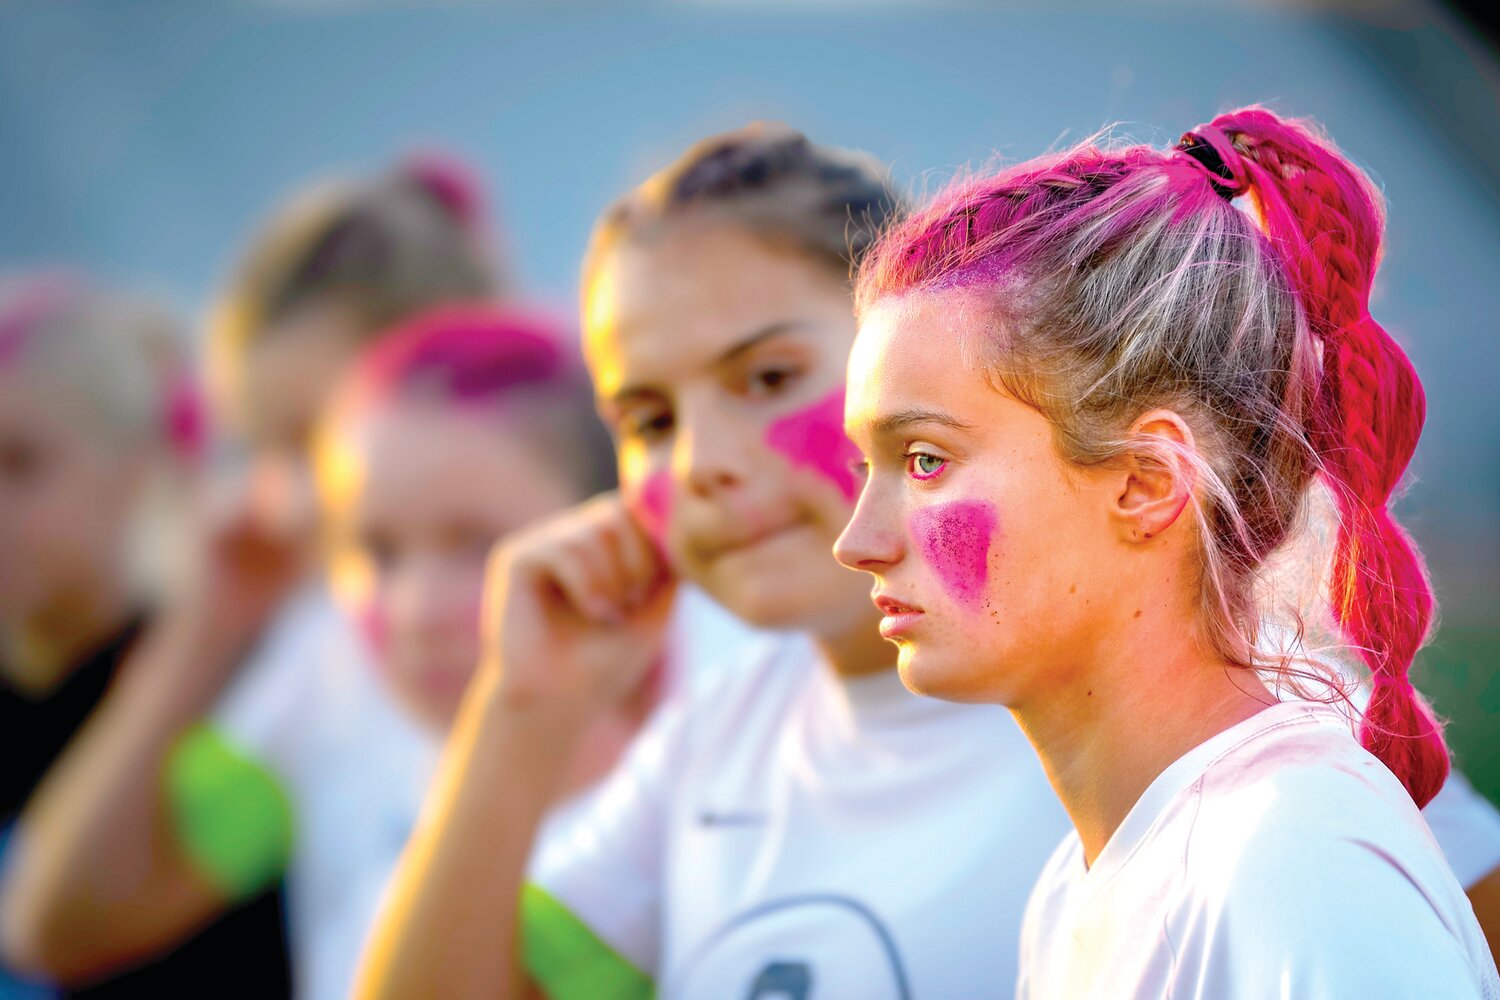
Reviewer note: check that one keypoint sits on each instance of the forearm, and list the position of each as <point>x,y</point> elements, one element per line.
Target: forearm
<point>451,927</point>
<point>97,876</point>
<point>1484,895</point>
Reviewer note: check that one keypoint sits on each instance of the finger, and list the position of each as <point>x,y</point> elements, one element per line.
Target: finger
<point>598,546</point>
<point>577,574</point>
<point>642,563</point>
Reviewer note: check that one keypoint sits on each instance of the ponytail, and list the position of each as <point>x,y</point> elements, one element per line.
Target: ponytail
<point>1325,218</point>
<point>384,248</point>
<point>452,185</point>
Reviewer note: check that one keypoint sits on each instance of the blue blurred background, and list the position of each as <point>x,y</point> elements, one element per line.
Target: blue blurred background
<point>143,140</point>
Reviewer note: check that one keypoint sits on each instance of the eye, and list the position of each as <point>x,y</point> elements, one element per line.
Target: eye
<point>770,381</point>
<point>471,541</point>
<point>20,462</point>
<point>380,549</point>
<point>649,425</point>
<point>924,465</point>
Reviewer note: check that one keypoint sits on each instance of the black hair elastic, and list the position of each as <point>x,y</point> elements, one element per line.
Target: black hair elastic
<point>1224,180</point>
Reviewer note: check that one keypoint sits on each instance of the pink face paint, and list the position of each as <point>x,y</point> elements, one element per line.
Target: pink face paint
<point>185,422</point>
<point>370,620</point>
<point>651,504</point>
<point>814,438</point>
<point>955,540</point>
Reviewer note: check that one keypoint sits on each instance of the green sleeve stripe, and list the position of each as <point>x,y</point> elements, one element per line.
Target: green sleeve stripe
<point>567,960</point>
<point>231,816</point>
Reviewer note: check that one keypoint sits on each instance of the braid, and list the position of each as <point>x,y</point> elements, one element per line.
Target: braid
<point>1325,219</point>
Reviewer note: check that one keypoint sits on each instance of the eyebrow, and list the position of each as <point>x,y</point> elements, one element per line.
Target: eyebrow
<point>754,340</point>
<point>730,354</point>
<point>890,423</point>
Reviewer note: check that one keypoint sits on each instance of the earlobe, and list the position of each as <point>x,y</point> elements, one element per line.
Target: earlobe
<point>1158,477</point>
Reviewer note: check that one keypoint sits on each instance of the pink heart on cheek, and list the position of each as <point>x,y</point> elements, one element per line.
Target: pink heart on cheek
<point>650,502</point>
<point>955,538</point>
<point>814,438</point>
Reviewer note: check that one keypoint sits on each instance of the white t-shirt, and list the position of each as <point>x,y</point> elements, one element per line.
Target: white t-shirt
<point>785,834</point>
<point>310,709</point>
<point>355,768</point>
<point>1465,823</point>
<point>1278,859</point>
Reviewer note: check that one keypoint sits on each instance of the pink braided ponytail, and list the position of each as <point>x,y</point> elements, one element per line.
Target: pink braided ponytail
<point>1325,219</point>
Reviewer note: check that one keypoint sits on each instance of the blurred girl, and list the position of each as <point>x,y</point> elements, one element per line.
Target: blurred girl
<point>99,430</point>
<point>1094,395</point>
<point>162,823</point>
<point>802,826</point>
<point>417,467</point>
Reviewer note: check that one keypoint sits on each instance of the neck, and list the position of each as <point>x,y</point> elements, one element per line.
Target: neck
<point>39,652</point>
<point>855,648</point>
<point>1126,717</point>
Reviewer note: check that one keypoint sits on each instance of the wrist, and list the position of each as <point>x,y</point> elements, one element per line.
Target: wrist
<point>551,723</point>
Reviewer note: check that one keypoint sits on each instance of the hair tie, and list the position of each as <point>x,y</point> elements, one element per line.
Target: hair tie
<point>1211,149</point>
<point>450,183</point>
<point>183,416</point>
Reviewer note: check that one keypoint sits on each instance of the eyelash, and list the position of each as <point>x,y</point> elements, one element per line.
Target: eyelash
<point>649,428</point>
<point>911,465</point>
<point>783,378</point>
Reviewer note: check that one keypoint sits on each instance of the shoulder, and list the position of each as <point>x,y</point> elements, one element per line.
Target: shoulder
<point>1303,855</point>
<point>1308,797</point>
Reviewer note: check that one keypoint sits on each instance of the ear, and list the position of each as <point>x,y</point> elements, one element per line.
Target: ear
<point>1157,480</point>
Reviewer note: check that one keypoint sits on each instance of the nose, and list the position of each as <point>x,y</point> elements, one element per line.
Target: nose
<point>872,540</point>
<point>429,601</point>
<point>712,453</point>
<point>281,495</point>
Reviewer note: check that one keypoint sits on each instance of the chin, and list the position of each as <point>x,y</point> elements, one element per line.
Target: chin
<point>943,674</point>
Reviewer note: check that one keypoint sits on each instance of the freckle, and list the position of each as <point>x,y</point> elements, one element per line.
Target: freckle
<point>955,538</point>
<point>1137,612</point>
<point>1073,589</point>
<point>1148,534</point>
<point>1091,693</point>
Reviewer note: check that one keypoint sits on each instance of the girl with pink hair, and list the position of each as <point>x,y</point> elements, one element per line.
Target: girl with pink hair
<point>1094,396</point>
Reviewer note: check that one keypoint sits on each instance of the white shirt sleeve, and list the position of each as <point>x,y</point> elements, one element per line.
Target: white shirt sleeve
<point>267,706</point>
<point>1466,826</point>
<point>604,862</point>
<point>1372,932</point>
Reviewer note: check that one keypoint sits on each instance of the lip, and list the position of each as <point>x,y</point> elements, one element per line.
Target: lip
<point>445,682</point>
<point>899,617</point>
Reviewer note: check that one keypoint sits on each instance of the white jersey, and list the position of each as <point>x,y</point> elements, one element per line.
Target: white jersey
<point>355,769</point>
<point>1465,823</point>
<point>786,834</point>
<point>310,710</point>
<point>1277,859</point>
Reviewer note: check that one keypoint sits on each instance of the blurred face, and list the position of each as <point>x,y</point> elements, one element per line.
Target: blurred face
<point>996,563</point>
<point>414,496</point>
<point>274,396</point>
<point>719,364</point>
<point>66,496</point>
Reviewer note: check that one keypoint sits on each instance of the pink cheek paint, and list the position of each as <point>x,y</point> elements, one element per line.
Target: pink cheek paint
<point>814,438</point>
<point>651,504</point>
<point>374,629</point>
<point>954,538</point>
